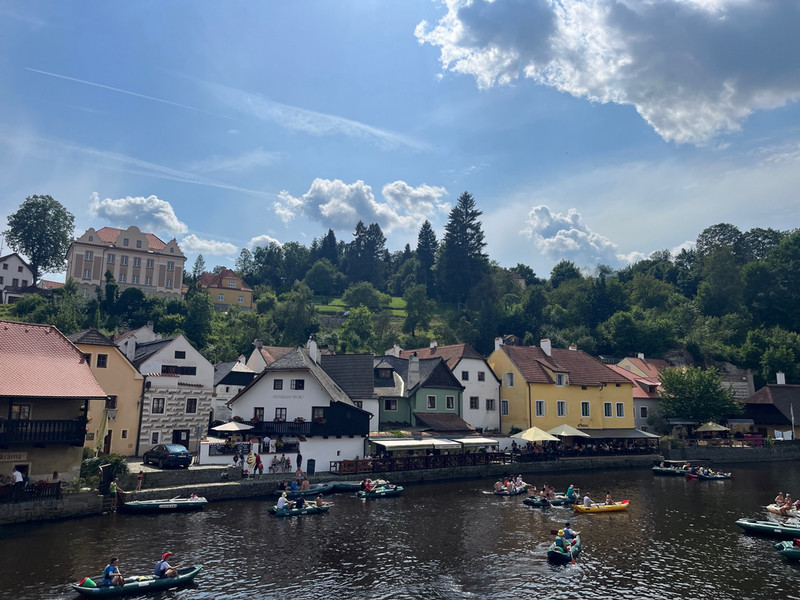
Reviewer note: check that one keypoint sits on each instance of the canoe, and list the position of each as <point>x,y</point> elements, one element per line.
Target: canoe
<point>308,509</point>
<point>770,528</point>
<point>314,490</point>
<point>669,471</point>
<point>713,477</point>
<point>514,492</point>
<point>560,556</point>
<point>596,508</point>
<point>164,505</point>
<point>789,549</point>
<point>346,486</point>
<point>774,508</point>
<point>559,500</point>
<point>141,584</point>
<point>381,492</point>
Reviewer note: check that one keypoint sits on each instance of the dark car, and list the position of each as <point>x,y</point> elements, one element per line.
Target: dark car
<point>168,455</point>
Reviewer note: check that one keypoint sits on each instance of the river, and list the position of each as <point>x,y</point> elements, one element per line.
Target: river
<point>450,540</point>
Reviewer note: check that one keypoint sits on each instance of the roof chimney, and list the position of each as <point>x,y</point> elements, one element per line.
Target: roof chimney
<point>313,352</point>
<point>545,344</point>
<point>498,341</point>
<point>258,344</point>
<point>640,356</point>
<point>781,378</point>
<point>394,351</point>
<point>130,348</point>
<point>413,370</point>
<point>433,344</point>
<point>573,348</point>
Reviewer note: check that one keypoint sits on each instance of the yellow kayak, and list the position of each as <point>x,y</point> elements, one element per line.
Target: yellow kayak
<point>595,508</point>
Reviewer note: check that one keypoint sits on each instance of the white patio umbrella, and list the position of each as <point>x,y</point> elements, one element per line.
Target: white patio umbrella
<point>711,426</point>
<point>567,431</point>
<point>232,426</point>
<point>534,434</point>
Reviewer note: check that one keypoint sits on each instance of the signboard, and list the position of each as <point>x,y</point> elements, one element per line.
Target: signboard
<point>13,456</point>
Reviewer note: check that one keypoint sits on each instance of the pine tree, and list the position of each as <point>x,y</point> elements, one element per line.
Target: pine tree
<point>427,246</point>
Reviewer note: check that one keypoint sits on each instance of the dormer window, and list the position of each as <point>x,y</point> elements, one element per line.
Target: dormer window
<point>384,373</point>
<point>561,379</point>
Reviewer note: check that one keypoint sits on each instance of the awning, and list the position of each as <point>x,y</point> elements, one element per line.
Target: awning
<point>476,441</point>
<point>617,434</point>
<point>441,444</point>
<point>740,422</point>
<point>404,444</point>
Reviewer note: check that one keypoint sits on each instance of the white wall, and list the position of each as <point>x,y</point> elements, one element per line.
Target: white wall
<point>487,420</point>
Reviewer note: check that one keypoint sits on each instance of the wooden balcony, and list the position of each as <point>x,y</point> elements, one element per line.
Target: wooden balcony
<point>52,431</point>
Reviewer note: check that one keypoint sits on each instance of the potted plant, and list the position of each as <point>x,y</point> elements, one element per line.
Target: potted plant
<point>320,420</point>
<point>299,420</point>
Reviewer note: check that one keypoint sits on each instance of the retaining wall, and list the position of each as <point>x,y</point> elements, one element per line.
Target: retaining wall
<point>82,504</point>
<point>734,454</point>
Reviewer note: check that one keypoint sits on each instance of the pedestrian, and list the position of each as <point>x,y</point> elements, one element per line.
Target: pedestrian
<point>113,491</point>
<point>19,484</point>
<point>139,481</point>
<point>299,460</point>
<point>259,466</point>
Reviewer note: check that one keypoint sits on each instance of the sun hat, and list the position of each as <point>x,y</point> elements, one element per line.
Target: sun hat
<point>165,555</point>
<point>560,532</point>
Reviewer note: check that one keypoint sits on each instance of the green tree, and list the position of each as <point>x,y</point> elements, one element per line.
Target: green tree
<point>323,278</point>
<point>295,315</point>
<point>365,258</point>
<point>461,262</point>
<point>41,229</point>
<point>199,267</point>
<point>357,331</point>
<point>696,394</point>
<point>366,294</point>
<point>418,309</point>
<point>244,265</point>
<point>563,271</point>
<point>197,324</point>
<point>427,246</point>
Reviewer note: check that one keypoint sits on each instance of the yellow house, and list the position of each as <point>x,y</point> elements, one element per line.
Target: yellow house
<point>227,289</point>
<point>546,387</point>
<point>113,425</point>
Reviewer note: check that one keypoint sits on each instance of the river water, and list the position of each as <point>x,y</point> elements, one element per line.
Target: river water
<point>452,540</point>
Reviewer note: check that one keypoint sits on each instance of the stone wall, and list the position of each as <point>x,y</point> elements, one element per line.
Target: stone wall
<point>735,454</point>
<point>82,504</point>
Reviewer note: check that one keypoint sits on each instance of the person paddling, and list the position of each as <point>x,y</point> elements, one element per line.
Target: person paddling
<point>164,569</point>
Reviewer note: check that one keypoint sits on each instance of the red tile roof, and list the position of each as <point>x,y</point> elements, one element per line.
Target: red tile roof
<point>648,366</point>
<point>450,354</point>
<point>109,235</point>
<point>641,384</point>
<point>214,280</point>
<point>37,361</point>
<point>582,368</point>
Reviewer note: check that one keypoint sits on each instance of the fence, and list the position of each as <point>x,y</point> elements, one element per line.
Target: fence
<point>42,490</point>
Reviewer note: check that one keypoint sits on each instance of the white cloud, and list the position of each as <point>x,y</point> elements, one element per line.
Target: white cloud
<point>691,68</point>
<point>262,240</point>
<point>566,237</point>
<point>245,162</point>
<point>150,214</point>
<point>339,205</point>
<point>192,243</point>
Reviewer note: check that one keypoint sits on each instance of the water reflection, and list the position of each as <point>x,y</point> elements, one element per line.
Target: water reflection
<point>677,540</point>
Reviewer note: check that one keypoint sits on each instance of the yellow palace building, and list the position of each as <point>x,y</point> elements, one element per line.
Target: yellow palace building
<point>546,387</point>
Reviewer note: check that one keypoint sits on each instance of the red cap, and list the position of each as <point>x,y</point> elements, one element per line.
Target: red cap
<point>165,555</point>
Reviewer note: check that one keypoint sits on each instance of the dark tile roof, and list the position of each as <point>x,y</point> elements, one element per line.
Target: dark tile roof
<point>90,337</point>
<point>582,368</point>
<point>298,359</point>
<point>451,354</point>
<point>148,349</point>
<point>782,397</point>
<point>233,373</point>
<point>353,372</point>
<point>444,422</point>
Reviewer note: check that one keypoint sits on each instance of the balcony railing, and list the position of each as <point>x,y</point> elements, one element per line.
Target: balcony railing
<point>275,429</point>
<point>53,431</point>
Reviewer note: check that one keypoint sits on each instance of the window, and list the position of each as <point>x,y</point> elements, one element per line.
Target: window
<point>111,403</point>
<point>137,262</point>
<point>241,299</point>
<point>431,402</point>
<point>561,408</point>
<point>561,379</point>
<point>170,265</point>
<point>180,354</point>
<point>138,243</point>
<point>298,384</point>
<point>169,283</point>
<point>125,242</point>
<point>481,376</point>
<point>123,260</point>
<point>88,358</point>
<point>135,279</point>
<point>154,438</point>
<point>19,269</point>
<point>110,259</point>
<point>157,406</point>
<point>389,404</point>
<point>124,434</point>
<point>620,409</point>
<point>474,402</point>
<point>191,406</point>
<point>89,255</point>
<point>280,414</point>
<point>231,284</point>
<point>149,263</point>
<point>358,403</point>
<point>490,404</point>
<point>5,266</point>
<point>87,273</point>
<point>220,297</point>
<point>258,413</point>
<point>643,412</point>
<point>148,281</point>
<point>123,277</point>
<point>20,411</point>
<point>15,282</point>
<point>509,380</point>
<point>277,384</point>
<point>102,361</point>
<point>607,409</point>
<point>176,370</point>
<point>464,375</point>
<point>585,409</point>
<point>504,408</point>
<point>1,279</point>
<point>540,408</point>
<point>450,402</point>
<point>317,413</point>
<point>24,283</point>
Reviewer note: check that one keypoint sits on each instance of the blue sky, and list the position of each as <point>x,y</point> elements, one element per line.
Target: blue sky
<point>596,131</point>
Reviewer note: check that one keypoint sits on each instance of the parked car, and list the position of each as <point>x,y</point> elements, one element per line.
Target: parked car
<point>168,455</point>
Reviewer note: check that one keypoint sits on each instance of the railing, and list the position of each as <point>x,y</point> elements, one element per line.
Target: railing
<point>411,463</point>
<point>42,490</point>
<point>275,429</point>
<point>26,431</point>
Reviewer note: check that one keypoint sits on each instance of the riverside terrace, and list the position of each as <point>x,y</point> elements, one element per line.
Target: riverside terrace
<point>432,458</point>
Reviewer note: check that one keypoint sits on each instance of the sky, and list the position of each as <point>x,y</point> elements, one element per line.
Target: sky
<point>596,131</point>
